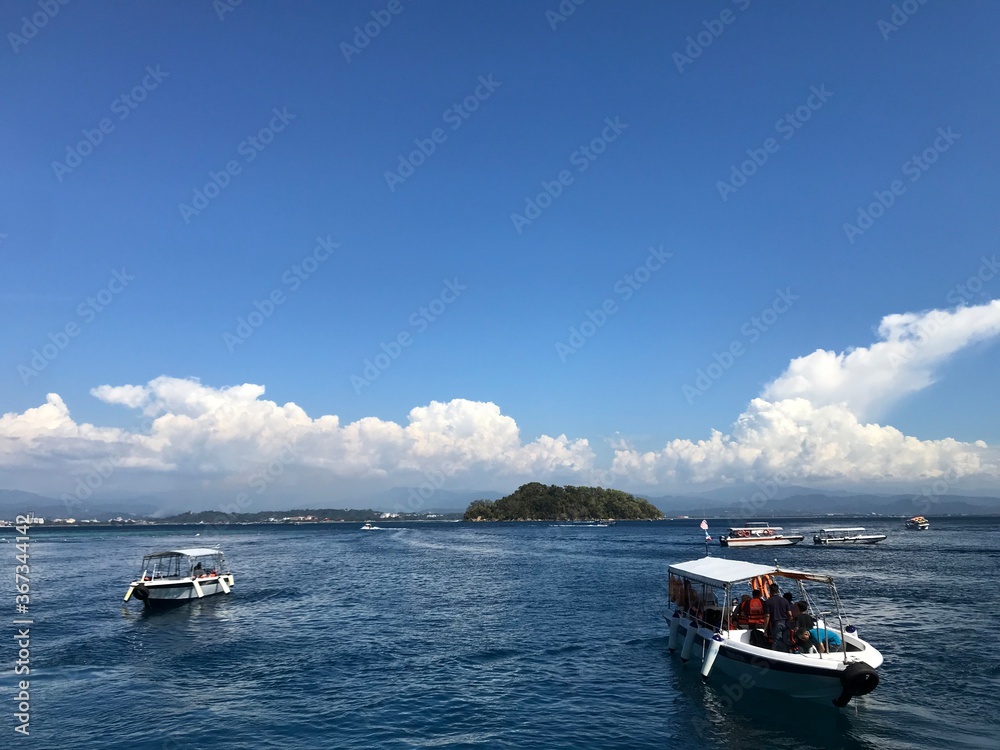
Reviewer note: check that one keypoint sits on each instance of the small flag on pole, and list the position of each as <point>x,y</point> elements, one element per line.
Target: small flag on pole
<point>704,526</point>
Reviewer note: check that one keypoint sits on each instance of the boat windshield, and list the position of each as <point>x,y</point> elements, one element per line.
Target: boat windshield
<point>182,564</point>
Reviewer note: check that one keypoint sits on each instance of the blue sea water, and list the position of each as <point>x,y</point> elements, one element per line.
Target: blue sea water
<point>480,636</point>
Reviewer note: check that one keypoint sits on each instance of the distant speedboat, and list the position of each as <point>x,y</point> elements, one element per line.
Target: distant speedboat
<point>847,535</point>
<point>369,527</point>
<point>758,535</point>
<point>180,575</point>
<point>919,523</point>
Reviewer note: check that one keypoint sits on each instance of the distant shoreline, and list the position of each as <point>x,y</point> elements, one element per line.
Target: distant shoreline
<point>718,521</point>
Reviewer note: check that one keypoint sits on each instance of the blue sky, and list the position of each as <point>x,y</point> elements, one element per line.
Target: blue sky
<point>833,105</point>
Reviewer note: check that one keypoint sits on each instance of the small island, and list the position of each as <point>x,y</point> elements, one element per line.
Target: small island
<point>539,502</point>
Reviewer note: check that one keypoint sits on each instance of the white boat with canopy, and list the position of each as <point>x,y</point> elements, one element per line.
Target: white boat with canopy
<point>702,628</point>
<point>758,534</point>
<point>847,535</point>
<point>180,575</point>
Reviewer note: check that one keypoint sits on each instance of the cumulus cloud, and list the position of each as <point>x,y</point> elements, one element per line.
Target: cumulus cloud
<point>812,423</point>
<point>806,443</point>
<point>195,430</point>
<point>869,380</point>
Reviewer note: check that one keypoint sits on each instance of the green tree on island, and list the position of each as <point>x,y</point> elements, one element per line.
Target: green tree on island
<point>538,502</point>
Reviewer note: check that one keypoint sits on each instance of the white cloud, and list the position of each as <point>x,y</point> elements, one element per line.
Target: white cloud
<point>806,443</point>
<point>197,432</point>
<point>870,379</point>
<point>812,423</point>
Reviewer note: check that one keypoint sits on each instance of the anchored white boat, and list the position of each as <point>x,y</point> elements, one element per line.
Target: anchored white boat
<point>179,575</point>
<point>758,535</point>
<point>919,523</point>
<point>703,629</point>
<point>847,535</point>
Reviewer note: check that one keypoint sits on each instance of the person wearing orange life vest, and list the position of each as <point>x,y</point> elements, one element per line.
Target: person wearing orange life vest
<point>752,612</point>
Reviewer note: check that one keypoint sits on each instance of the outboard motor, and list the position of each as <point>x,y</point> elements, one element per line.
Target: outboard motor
<point>857,679</point>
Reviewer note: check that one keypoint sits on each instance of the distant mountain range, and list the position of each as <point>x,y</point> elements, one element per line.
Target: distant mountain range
<point>395,500</point>
<point>729,502</point>
<point>410,500</point>
<point>13,502</point>
<point>813,503</point>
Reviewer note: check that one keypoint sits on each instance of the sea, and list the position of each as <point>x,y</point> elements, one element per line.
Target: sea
<point>458,635</point>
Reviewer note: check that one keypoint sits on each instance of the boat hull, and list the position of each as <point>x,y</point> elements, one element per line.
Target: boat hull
<point>177,591</point>
<point>825,679</point>
<point>776,541</point>
<point>868,539</point>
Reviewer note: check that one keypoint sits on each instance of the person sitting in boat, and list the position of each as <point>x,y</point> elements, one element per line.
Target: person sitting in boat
<point>738,610</point>
<point>825,639</point>
<point>779,613</point>
<point>691,601</point>
<point>804,643</point>
<point>197,571</point>
<point>752,612</point>
<point>803,620</point>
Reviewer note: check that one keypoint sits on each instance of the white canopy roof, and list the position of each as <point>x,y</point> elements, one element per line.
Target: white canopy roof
<point>842,528</point>
<point>717,571</point>
<point>192,552</point>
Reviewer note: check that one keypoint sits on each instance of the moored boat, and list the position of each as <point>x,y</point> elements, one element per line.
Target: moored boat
<point>918,523</point>
<point>176,576</point>
<point>709,632</point>
<point>847,535</point>
<point>756,534</point>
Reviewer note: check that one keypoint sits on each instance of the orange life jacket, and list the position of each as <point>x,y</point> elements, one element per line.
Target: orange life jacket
<point>751,614</point>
